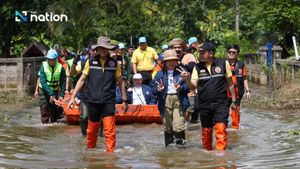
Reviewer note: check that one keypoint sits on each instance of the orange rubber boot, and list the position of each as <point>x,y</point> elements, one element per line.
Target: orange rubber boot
<point>109,128</point>
<point>221,136</point>
<point>235,116</point>
<point>91,134</point>
<point>207,134</point>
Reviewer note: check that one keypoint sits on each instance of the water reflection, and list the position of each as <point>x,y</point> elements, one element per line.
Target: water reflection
<point>262,142</point>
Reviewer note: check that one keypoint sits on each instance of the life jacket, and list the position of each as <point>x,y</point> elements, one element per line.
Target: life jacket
<point>237,79</point>
<point>211,87</point>
<point>52,75</point>
<point>101,86</point>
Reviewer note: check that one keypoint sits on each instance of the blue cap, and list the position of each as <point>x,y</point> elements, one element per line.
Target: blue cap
<point>142,40</point>
<point>52,54</point>
<point>161,57</point>
<point>164,47</point>
<point>121,45</point>
<point>192,40</point>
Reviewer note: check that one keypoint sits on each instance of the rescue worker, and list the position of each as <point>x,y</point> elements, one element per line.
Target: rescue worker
<point>211,77</point>
<point>76,69</point>
<point>239,79</point>
<point>194,46</point>
<point>52,87</point>
<point>62,55</point>
<point>126,63</point>
<point>101,73</point>
<point>173,101</point>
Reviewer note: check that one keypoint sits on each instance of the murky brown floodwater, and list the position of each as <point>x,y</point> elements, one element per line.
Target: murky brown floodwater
<point>262,142</point>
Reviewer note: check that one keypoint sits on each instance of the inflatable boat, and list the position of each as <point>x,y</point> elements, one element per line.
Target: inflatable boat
<point>134,113</point>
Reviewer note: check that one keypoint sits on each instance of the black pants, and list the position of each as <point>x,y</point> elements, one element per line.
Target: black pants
<point>214,113</point>
<point>99,111</point>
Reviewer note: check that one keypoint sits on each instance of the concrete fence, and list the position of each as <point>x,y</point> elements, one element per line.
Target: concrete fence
<point>284,69</point>
<point>19,75</point>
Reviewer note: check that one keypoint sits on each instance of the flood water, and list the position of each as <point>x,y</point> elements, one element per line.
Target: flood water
<point>264,141</point>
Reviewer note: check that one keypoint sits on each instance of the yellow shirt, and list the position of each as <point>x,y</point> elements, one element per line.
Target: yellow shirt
<point>86,69</point>
<point>144,59</point>
<point>208,66</point>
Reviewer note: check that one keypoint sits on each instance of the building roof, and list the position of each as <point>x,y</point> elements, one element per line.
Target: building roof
<point>35,49</point>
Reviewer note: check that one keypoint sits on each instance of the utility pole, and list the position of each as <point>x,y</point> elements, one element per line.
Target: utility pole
<point>237,17</point>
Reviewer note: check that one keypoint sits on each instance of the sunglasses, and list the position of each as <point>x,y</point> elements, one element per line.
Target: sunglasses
<point>232,52</point>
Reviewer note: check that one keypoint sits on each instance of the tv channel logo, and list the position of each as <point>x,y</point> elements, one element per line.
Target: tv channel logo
<point>32,16</point>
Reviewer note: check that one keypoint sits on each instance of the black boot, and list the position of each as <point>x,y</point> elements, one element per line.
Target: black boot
<point>83,126</point>
<point>169,139</point>
<point>195,117</point>
<point>180,138</point>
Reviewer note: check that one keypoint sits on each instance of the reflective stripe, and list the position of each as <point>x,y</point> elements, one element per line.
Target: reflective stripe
<point>239,75</point>
<point>100,68</point>
<point>95,67</point>
<point>110,68</point>
<point>205,77</point>
<point>218,75</point>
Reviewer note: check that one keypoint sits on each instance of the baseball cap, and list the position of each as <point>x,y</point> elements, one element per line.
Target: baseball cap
<point>207,46</point>
<point>137,76</point>
<point>164,47</point>
<point>52,54</point>
<point>192,40</point>
<point>121,45</point>
<point>142,39</point>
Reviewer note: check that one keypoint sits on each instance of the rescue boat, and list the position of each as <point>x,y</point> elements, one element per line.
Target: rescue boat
<point>134,113</point>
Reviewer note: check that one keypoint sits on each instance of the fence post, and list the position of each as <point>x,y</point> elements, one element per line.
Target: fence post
<point>269,63</point>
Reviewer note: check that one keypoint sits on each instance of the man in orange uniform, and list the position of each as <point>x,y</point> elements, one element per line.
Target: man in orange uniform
<point>101,72</point>
<point>239,79</point>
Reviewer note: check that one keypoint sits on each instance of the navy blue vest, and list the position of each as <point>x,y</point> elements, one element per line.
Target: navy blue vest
<point>101,86</point>
<point>211,88</point>
<point>238,72</point>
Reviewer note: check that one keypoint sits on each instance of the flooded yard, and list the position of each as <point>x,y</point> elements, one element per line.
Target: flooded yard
<point>265,140</point>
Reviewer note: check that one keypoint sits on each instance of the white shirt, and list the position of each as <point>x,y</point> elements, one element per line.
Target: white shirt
<point>171,85</point>
<point>137,96</point>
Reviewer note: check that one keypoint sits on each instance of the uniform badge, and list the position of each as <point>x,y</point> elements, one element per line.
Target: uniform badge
<point>95,62</point>
<point>218,70</point>
<point>111,63</point>
<point>202,71</point>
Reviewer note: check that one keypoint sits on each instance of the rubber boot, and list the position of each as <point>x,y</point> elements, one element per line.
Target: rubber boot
<point>83,119</point>
<point>235,116</point>
<point>169,139</point>
<point>109,128</point>
<point>45,114</point>
<point>53,112</point>
<point>83,126</point>
<point>221,136</point>
<point>180,138</point>
<point>195,117</point>
<point>207,136</point>
<point>92,132</point>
